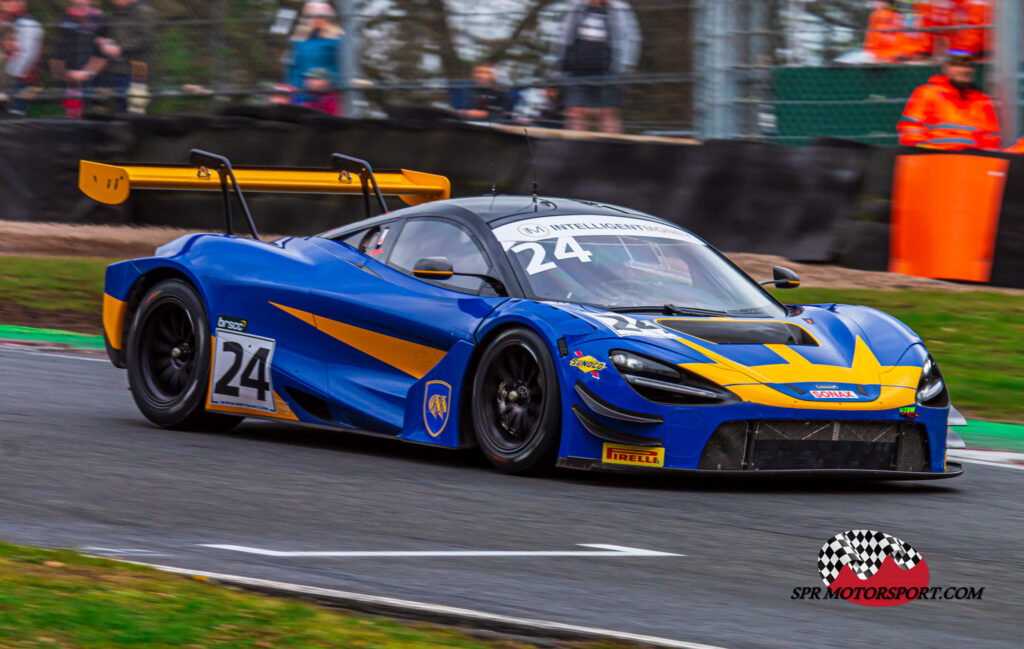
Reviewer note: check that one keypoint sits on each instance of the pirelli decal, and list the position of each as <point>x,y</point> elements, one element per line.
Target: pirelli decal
<point>633,455</point>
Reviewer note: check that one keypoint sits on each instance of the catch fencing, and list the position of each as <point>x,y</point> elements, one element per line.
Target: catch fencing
<point>785,71</point>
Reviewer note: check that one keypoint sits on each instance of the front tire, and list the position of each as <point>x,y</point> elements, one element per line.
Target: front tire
<point>168,359</point>
<point>516,403</point>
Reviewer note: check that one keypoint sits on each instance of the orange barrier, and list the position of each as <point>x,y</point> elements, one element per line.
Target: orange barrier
<point>945,213</point>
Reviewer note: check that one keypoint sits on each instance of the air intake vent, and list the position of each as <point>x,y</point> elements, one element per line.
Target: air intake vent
<point>796,444</point>
<point>742,332</point>
<point>313,405</point>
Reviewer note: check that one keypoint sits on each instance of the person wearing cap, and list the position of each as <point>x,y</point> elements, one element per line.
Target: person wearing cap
<point>315,43</point>
<point>950,112</point>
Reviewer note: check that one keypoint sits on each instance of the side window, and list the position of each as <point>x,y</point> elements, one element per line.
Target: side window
<point>369,241</point>
<point>432,238</point>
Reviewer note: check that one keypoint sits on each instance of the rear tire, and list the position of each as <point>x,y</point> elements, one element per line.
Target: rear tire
<point>168,359</point>
<point>517,404</point>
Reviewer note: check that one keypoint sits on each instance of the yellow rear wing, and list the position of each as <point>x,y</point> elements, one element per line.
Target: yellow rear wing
<point>112,184</point>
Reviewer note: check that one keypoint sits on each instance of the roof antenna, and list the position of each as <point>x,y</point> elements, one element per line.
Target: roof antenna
<point>533,164</point>
<point>494,179</point>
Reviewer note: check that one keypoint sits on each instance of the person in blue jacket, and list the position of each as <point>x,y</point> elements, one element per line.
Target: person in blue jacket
<point>315,43</point>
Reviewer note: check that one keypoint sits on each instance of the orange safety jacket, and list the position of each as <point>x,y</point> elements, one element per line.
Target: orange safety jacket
<point>882,41</point>
<point>939,116</point>
<point>934,15</point>
<point>971,12</point>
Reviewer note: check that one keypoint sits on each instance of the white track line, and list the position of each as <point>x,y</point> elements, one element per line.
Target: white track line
<point>423,609</point>
<point>1000,465</point>
<point>53,355</point>
<point>1002,459</point>
<point>600,551</point>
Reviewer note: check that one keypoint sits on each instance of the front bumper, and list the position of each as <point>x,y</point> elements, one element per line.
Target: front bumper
<point>747,438</point>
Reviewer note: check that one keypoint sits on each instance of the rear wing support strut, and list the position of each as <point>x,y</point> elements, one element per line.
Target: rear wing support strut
<point>349,165</point>
<point>205,161</point>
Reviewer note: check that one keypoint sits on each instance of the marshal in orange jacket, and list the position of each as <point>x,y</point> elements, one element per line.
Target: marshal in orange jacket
<point>882,40</point>
<point>941,117</point>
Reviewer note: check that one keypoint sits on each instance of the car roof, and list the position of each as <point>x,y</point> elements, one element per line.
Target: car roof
<point>491,210</point>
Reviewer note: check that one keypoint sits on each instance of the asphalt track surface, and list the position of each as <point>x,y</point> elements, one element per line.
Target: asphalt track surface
<point>82,469</point>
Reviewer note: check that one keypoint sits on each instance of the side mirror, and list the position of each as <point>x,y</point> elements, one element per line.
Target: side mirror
<point>783,278</point>
<point>433,268</point>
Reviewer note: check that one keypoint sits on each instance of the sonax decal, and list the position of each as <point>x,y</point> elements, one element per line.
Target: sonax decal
<point>633,455</point>
<point>833,394</point>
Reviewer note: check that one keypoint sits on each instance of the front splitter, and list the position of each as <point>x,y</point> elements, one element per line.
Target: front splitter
<point>953,470</point>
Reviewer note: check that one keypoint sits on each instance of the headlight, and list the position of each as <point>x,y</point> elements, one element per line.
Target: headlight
<point>633,364</point>
<point>931,389</point>
<point>663,383</point>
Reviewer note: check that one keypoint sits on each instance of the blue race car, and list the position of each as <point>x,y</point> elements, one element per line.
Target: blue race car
<point>544,331</point>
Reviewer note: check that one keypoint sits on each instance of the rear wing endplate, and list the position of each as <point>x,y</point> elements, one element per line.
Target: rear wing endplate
<point>112,184</point>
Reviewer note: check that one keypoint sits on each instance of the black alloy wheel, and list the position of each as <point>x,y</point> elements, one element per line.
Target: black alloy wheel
<point>168,359</point>
<point>516,403</point>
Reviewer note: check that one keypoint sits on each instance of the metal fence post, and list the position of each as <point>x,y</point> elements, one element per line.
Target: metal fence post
<point>349,53</point>
<point>1006,82</point>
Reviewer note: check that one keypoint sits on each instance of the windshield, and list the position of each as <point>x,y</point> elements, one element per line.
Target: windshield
<point>622,262</point>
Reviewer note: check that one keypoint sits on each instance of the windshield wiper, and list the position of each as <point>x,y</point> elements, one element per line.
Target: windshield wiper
<point>668,309</point>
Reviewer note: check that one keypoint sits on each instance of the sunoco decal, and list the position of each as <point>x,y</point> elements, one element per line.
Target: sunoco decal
<point>587,364</point>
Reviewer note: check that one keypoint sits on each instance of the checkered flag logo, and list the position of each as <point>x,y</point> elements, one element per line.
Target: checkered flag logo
<point>864,551</point>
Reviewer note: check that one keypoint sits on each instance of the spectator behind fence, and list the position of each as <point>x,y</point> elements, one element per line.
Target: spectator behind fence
<point>600,42</point>
<point>933,15</point>
<point>21,66</point>
<point>316,43</point>
<point>552,113</point>
<point>882,39</point>
<point>949,112</point>
<point>485,101</point>
<point>8,47</point>
<point>318,93</point>
<point>133,29</point>
<point>972,13</point>
<point>78,53</point>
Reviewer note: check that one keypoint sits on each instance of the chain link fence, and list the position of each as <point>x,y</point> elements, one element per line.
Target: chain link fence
<point>781,70</point>
<point>791,71</point>
<point>395,53</point>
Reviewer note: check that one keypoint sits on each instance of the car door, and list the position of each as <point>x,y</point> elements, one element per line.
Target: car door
<point>391,329</point>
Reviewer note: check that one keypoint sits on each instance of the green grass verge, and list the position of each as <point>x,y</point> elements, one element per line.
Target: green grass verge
<point>985,434</point>
<point>977,337</point>
<point>74,283</point>
<point>58,598</point>
<point>55,336</point>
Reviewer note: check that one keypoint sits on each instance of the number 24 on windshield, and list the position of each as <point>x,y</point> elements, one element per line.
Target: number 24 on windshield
<point>565,248</point>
